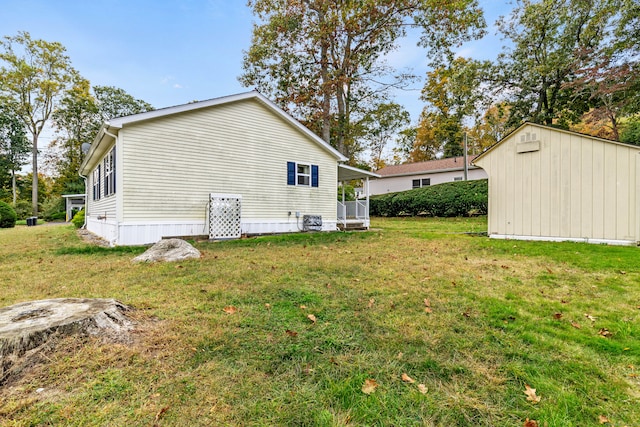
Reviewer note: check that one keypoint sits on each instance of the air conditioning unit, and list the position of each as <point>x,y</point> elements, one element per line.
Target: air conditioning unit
<point>312,222</point>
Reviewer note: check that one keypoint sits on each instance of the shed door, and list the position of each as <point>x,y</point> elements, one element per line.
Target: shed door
<point>224,216</point>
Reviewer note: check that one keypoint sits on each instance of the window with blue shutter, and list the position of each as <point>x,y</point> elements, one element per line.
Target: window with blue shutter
<point>291,173</point>
<point>302,175</point>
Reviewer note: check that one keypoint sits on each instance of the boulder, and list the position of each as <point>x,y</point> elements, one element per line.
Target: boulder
<point>169,250</point>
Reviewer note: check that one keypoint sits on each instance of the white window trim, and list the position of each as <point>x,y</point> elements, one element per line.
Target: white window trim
<point>308,175</point>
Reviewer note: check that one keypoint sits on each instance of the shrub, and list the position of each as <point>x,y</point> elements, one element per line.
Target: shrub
<point>52,207</point>
<point>460,198</point>
<point>78,219</point>
<point>23,209</point>
<point>7,216</point>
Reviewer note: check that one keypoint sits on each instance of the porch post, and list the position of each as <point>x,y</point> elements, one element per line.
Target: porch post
<point>366,190</point>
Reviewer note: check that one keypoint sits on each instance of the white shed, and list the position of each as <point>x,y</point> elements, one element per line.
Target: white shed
<point>223,167</point>
<point>551,184</point>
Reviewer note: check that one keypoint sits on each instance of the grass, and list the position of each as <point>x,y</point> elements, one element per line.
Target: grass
<point>501,317</point>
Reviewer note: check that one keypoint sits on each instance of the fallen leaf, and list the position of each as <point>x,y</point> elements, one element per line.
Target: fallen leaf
<point>564,301</point>
<point>504,266</point>
<point>576,325</point>
<point>369,386</point>
<point>178,266</point>
<point>428,310</point>
<point>590,317</point>
<point>530,423</point>
<point>406,378</point>
<point>604,332</point>
<point>312,318</point>
<point>159,415</point>
<point>399,356</point>
<point>303,307</point>
<point>422,388</point>
<point>557,316</point>
<point>531,394</point>
<point>230,309</point>
<point>392,304</point>
<point>623,272</point>
<point>291,333</point>
<point>549,270</point>
<point>267,306</point>
<point>603,420</point>
<point>371,302</point>
<point>467,314</point>
<point>427,303</point>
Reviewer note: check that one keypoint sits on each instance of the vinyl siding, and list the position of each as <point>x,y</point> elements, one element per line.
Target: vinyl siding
<point>573,187</point>
<point>106,206</point>
<point>171,164</point>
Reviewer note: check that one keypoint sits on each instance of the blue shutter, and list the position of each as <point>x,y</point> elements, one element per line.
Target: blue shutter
<point>314,175</point>
<point>291,173</point>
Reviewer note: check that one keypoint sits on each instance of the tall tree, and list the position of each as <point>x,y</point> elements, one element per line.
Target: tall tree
<point>14,145</point>
<point>550,40</point>
<point>454,96</point>
<point>78,119</point>
<point>322,59</point>
<point>379,127</point>
<point>34,76</point>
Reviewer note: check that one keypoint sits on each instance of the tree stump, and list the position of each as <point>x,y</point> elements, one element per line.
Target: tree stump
<point>31,328</point>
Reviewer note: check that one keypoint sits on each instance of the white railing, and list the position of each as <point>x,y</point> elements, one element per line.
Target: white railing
<point>353,210</point>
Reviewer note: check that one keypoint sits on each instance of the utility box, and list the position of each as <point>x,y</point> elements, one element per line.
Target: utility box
<point>312,222</point>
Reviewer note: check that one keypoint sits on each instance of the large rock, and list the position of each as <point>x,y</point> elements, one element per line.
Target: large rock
<point>31,328</point>
<point>168,250</point>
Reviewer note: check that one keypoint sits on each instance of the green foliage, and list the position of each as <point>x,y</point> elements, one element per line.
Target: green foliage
<point>78,219</point>
<point>349,193</point>
<point>51,208</point>
<point>23,209</point>
<point>7,216</point>
<point>631,132</point>
<point>449,199</point>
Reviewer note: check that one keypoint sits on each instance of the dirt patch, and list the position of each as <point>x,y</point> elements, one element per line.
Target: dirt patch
<point>93,239</point>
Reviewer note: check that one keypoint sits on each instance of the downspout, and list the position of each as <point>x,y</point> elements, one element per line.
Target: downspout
<point>86,200</point>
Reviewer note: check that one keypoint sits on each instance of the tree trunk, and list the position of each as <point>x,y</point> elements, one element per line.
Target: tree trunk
<point>14,191</point>
<point>34,180</point>
<point>30,329</point>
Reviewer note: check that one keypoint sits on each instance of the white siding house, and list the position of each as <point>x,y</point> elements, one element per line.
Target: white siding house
<point>421,174</point>
<point>150,175</point>
<point>550,184</point>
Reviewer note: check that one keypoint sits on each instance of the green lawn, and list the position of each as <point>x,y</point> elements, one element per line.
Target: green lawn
<point>499,315</point>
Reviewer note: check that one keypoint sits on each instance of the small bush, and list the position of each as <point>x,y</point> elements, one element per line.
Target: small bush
<point>52,207</point>
<point>7,216</point>
<point>23,209</point>
<point>78,219</point>
<point>449,199</point>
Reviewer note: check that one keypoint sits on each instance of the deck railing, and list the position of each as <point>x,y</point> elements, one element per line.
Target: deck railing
<point>353,210</point>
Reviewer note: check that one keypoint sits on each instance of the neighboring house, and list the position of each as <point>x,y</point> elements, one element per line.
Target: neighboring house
<point>416,175</point>
<point>551,184</point>
<point>223,167</point>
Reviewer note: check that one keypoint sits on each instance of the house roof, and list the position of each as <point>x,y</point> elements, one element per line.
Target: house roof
<point>610,141</point>
<point>431,166</point>
<point>113,125</point>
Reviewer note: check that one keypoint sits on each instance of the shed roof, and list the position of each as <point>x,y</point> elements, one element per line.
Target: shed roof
<point>430,166</point>
<point>488,150</point>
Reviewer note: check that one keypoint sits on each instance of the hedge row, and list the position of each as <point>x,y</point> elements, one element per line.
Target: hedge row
<point>461,198</point>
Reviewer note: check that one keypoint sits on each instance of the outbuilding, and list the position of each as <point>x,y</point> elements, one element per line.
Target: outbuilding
<point>552,184</point>
<point>224,167</point>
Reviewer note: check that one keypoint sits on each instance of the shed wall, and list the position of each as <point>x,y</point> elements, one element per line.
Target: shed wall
<point>572,187</point>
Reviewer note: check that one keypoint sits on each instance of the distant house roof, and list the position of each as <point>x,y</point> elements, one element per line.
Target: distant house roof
<point>431,166</point>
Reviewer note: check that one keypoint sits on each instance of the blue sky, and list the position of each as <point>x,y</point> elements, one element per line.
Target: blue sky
<point>169,52</point>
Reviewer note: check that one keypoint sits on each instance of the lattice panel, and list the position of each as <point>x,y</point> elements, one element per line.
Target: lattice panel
<point>224,216</point>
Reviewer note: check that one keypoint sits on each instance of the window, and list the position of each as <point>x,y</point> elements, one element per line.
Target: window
<point>96,183</point>
<point>303,175</point>
<point>110,173</point>
<point>419,183</point>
